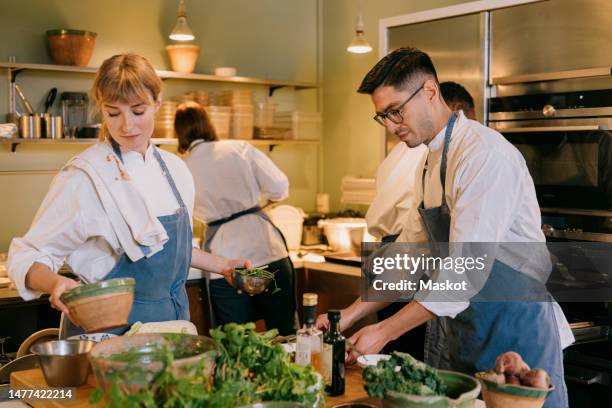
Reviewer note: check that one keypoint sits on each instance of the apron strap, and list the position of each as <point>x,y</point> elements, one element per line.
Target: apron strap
<point>232,217</point>
<point>166,172</point>
<point>447,137</point>
<point>162,164</point>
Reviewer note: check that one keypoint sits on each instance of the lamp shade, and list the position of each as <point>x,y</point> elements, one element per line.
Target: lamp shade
<point>359,45</point>
<point>181,31</point>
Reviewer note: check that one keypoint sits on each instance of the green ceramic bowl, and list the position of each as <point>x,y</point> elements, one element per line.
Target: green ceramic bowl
<point>461,391</point>
<point>105,287</point>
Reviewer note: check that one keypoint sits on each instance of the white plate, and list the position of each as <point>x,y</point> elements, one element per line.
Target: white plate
<point>97,337</point>
<point>371,359</point>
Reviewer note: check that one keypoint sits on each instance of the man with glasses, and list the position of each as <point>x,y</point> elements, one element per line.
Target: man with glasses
<point>486,195</point>
<point>394,211</point>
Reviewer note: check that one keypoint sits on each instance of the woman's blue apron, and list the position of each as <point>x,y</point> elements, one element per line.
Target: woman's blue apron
<point>487,329</point>
<point>159,294</point>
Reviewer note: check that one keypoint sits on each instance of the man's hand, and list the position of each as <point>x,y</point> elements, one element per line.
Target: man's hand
<point>369,340</point>
<point>322,323</point>
<point>230,265</point>
<point>62,284</point>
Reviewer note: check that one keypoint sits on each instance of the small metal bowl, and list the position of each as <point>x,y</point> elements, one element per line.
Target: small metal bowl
<point>64,362</point>
<point>250,284</point>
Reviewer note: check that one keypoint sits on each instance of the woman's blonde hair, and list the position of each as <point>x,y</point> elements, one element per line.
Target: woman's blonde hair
<point>125,78</point>
<point>191,123</point>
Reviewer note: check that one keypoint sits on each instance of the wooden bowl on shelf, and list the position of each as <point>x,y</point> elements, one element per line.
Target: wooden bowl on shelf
<point>71,47</point>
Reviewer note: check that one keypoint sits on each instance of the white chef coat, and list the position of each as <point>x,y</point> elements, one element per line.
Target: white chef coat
<point>72,226</point>
<point>491,198</point>
<point>398,195</point>
<point>232,176</point>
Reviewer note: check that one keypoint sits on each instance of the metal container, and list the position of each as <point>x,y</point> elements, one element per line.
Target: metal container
<point>52,126</point>
<point>345,235</point>
<point>30,126</point>
<point>311,235</point>
<point>64,362</point>
<point>251,284</point>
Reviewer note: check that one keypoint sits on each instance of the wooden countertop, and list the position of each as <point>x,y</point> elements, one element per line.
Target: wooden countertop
<point>34,379</point>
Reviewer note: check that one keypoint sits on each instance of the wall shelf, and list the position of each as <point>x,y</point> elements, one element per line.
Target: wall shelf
<point>273,84</point>
<point>270,143</point>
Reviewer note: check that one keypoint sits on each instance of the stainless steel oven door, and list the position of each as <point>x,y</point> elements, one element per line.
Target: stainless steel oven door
<point>571,164</point>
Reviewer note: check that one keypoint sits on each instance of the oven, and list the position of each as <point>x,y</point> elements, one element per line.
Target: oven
<point>566,141</point>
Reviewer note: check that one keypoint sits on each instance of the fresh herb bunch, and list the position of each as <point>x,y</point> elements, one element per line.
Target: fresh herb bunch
<point>248,369</point>
<point>402,373</point>
<point>248,356</point>
<point>261,273</point>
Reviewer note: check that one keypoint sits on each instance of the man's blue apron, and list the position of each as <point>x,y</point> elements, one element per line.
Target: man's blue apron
<point>487,329</point>
<point>435,346</point>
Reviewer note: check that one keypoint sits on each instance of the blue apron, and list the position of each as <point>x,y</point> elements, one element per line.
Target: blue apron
<point>435,345</point>
<point>159,294</point>
<point>487,329</point>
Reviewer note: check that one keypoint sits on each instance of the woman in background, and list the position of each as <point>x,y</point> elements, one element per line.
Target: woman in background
<point>231,177</point>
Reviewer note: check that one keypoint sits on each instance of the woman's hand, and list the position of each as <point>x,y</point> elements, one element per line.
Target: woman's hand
<point>230,265</point>
<point>62,284</point>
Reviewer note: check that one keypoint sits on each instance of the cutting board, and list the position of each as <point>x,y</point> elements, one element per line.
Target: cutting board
<point>35,379</point>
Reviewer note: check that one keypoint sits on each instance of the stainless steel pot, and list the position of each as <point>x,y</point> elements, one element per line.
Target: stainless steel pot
<point>52,126</point>
<point>30,126</point>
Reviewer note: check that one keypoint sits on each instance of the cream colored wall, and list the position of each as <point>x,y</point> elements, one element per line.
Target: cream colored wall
<point>272,39</point>
<point>352,143</point>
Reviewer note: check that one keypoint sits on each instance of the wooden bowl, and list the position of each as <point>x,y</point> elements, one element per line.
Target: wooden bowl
<point>71,47</point>
<point>102,305</point>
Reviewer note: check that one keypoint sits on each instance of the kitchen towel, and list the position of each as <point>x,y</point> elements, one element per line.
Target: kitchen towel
<point>138,229</point>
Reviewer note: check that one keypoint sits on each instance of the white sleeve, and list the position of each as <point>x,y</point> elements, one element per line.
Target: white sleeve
<point>487,189</point>
<point>272,182</point>
<point>57,230</point>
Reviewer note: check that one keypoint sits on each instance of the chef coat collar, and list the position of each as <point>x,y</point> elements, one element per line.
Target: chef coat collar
<point>437,143</point>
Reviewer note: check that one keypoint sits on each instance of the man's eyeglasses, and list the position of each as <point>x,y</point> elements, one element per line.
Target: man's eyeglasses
<point>395,115</point>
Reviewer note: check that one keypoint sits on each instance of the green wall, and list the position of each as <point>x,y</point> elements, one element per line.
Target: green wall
<point>273,39</point>
<point>353,141</point>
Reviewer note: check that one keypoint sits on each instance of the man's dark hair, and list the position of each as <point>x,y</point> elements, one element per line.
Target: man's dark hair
<point>397,69</point>
<point>453,92</point>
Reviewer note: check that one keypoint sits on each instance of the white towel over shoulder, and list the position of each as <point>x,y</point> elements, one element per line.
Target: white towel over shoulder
<point>134,223</point>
